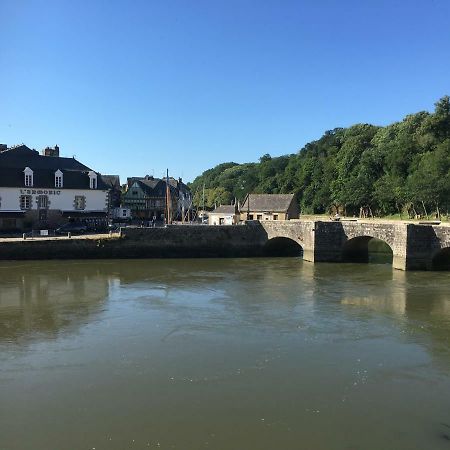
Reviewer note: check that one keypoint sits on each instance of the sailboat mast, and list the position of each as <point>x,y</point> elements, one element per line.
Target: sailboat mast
<point>167,198</point>
<point>203,200</point>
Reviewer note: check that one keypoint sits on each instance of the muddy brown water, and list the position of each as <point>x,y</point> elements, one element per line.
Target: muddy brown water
<point>271,353</point>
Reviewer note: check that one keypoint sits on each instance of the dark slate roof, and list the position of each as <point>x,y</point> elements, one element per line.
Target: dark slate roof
<point>225,209</point>
<point>149,180</point>
<point>268,202</point>
<point>151,183</point>
<point>112,181</point>
<point>14,160</point>
<point>156,187</point>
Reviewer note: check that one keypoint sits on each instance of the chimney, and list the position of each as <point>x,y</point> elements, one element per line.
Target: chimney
<point>48,151</point>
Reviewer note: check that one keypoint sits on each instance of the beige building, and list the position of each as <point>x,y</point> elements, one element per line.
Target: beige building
<point>224,215</point>
<point>269,207</point>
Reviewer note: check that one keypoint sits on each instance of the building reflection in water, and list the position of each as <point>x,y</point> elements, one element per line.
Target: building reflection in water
<point>44,298</point>
<point>387,297</point>
<point>410,294</point>
<point>39,299</point>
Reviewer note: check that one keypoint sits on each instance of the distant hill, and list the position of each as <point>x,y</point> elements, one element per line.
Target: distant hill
<point>403,167</point>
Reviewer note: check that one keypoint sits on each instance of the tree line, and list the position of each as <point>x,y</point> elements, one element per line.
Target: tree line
<point>362,170</point>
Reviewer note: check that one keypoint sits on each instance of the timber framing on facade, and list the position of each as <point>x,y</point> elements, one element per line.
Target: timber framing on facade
<point>146,198</point>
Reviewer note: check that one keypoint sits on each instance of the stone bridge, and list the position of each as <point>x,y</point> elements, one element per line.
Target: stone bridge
<point>414,247</point>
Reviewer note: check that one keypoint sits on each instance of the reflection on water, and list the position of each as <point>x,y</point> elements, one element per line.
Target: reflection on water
<point>47,298</point>
<point>229,354</point>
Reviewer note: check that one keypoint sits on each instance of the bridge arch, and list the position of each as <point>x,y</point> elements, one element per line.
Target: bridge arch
<point>441,259</point>
<point>367,249</point>
<point>282,246</point>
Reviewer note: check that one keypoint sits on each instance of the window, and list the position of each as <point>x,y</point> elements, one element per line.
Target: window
<point>42,201</point>
<point>28,177</point>
<point>275,217</point>
<point>124,213</point>
<point>79,202</point>
<point>259,217</point>
<point>250,217</point>
<point>92,179</point>
<point>25,202</point>
<point>58,179</point>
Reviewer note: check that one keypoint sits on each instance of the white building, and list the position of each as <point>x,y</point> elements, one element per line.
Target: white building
<point>224,215</point>
<point>39,191</point>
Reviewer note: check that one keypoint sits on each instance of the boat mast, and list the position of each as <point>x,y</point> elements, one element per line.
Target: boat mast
<point>203,199</point>
<point>167,199</point>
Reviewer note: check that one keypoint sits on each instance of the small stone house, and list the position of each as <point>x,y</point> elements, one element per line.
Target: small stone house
<point>269,207</point>
<point>224,215</point>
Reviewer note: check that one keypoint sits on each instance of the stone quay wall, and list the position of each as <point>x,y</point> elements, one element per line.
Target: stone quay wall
<point>184,241</point>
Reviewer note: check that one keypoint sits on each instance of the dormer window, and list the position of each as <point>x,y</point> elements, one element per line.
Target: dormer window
<point>92,180</point>
<point>28,177</point>
<point>58,179</point>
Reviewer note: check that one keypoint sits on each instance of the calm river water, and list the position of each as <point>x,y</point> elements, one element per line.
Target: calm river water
<point>224,354</point>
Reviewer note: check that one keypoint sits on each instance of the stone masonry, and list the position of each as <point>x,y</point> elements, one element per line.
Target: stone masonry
<point>414,247</point>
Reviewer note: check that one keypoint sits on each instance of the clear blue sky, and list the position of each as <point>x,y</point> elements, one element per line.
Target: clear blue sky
<point>133,87</point>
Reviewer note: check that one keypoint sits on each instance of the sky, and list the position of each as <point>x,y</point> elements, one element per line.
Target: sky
<point>137,87</point>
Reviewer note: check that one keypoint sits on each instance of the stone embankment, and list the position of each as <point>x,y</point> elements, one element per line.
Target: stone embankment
<point>182,241</point>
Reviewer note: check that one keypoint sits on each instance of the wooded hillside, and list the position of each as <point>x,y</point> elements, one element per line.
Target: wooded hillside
<point>403,167</point>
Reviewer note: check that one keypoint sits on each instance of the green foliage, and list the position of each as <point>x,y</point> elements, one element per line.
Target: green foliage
<point>402,167</point>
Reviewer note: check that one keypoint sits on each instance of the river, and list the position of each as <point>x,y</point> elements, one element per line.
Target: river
<point>271,353</point>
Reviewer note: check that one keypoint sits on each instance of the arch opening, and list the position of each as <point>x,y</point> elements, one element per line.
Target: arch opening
<point>441,261</point>
<point>367,249</point>
<point>282,246</point>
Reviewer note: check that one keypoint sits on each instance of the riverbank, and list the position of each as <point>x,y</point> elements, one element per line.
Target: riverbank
<point>444,221</point>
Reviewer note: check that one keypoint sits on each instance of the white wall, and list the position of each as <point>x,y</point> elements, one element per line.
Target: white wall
<point>61,199</point>
<point>214,219</point>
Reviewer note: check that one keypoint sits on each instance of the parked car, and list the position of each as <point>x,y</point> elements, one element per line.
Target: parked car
<point>72,227</point>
